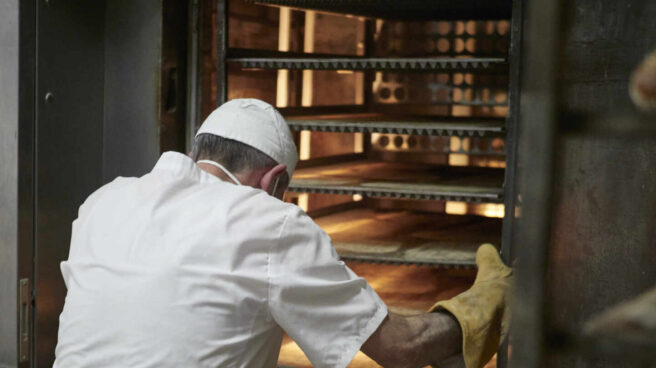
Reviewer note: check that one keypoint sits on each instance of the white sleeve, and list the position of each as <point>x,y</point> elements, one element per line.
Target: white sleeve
<point>324,306</point>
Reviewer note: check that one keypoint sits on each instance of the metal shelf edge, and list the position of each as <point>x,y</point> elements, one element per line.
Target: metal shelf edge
<point>416,64</point>
<point>401,128</point>
<point>398,261</point>
<point>380,193</point>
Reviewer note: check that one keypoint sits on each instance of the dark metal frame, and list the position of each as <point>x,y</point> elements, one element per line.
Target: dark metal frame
<point>511,146</point>
<point>222,14</point>
<point>539,91</point>
<point>512,132</point>
<point>194,73</point>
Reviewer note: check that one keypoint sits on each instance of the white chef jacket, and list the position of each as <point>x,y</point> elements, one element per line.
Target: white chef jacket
<point>180,269</point>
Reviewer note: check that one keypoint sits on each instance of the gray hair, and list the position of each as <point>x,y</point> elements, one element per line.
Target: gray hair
<point>233,155</point>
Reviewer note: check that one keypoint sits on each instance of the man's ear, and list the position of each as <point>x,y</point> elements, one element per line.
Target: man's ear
<point>269,178</point>
<point>190,154</point>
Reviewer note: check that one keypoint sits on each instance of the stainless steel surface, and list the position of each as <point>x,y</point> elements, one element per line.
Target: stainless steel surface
<point>361,63</point>
<point>132,65</point>
<point>27,156</point>
<point>376,123</point>
<point>16,162</point>
<point>407,9</point>
<point>101,62</point>
<point>9,44</point>
<point>69,154</point>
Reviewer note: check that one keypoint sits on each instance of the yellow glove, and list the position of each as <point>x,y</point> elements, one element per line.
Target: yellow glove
<point>483,311</point>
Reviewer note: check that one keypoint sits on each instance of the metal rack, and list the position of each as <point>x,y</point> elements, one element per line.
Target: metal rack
<point>377,123</point>
<point>452,240</point>
<point>361,63</point>
<point>376,179</point>
<point>401,180</point>
<point>405,239</point>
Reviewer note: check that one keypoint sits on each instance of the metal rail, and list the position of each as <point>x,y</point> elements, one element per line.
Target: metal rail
<point>479,195</point>
<point>359,63</point>
<point>465,128</point>
<point>425,259</point>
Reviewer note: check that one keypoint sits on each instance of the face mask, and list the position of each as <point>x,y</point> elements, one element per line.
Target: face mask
<point>232,177</point>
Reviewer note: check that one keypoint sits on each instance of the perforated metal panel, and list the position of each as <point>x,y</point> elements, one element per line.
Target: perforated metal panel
<point>461,39</point>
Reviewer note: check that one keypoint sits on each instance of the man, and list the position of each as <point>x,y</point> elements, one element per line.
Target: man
<point>200,264</point>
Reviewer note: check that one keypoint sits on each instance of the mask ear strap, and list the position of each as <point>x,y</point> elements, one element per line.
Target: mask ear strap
<point>225,171</point>
<point>275,186</point>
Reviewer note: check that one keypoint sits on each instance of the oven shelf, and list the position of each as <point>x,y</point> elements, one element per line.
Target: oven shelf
<point>360,63</point>
<point>404,237</point>
<point>405,10</point>
<point>402,180</point>
<point>378,123</point>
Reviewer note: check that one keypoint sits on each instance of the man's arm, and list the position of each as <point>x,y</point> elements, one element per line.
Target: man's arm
<point>414,341</point>
<point>471,324</point>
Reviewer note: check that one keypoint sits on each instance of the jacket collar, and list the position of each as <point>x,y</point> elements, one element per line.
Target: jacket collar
<point>182,165</point>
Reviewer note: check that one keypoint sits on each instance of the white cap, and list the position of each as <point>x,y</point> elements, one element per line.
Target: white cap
<point>257,124</point>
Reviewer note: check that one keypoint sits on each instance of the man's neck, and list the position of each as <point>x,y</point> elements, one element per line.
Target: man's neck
<point>249,178</point>
<point>215,171</point>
